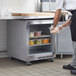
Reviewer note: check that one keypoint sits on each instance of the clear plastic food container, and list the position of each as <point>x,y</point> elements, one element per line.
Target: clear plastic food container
<point>39,41</point>
<point>45,41</point>
<point>31,42</point>
<point>31,34</point>
<point>37,33</point>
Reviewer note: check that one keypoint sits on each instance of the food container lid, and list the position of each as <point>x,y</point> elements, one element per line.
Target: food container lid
<point>31,40</point>
<point>32,32</point>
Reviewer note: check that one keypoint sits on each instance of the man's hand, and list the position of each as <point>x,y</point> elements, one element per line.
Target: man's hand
<point>57,29</point>
<point>52,28</point>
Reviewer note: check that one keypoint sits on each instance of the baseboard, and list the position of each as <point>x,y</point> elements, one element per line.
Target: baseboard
<point>3,54</point>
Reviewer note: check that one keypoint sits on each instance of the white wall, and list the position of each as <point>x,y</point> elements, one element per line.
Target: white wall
<point>16,6</point>
<point>19,5</point>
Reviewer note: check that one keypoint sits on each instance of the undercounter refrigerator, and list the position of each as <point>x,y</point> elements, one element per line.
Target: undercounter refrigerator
<point>30,39</point>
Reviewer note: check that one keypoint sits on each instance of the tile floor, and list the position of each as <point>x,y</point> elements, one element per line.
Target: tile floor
<point>41,68</point>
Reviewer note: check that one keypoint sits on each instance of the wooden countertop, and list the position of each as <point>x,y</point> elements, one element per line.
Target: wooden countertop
<point>33,14</point>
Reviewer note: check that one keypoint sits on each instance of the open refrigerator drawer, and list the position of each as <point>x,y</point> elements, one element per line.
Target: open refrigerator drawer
<point>40,56</point>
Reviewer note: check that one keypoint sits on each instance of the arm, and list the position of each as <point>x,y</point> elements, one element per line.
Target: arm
<point>60,27</point>
<point>65,24</point>
<point>57,17</point>
<point>56,30</point>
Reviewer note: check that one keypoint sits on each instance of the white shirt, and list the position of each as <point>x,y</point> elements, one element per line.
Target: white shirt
<point>66,4</point>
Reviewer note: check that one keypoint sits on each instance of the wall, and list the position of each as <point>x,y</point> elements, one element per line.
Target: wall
<point>16,6</point>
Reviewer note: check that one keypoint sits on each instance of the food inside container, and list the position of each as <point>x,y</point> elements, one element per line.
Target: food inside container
<point>31,34</point>
<point>31,42</point>
<point>39,41</point>
<point>45,41</point>
<point>37,33</point>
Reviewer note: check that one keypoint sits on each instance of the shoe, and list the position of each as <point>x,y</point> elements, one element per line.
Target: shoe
<point>69,67</point>
<point>73,72</point>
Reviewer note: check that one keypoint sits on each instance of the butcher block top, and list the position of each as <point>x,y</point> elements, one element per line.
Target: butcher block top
<point>33,14</point>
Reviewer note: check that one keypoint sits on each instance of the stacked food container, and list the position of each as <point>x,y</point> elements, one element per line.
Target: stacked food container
<point>39,39</point>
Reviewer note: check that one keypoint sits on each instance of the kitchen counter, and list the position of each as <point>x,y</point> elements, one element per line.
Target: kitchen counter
<point>4,21</point>
<point>33,15</point>
<point>18,38</point>
<point>28,16</point>
<point>9,18</point>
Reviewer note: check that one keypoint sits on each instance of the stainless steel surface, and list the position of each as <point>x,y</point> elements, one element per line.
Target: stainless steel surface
<point>11,17</point>
<point>32,22</point>
<point>18,41</point>
<point>64,42</point>
<point>43,36</point>
<point>25,17</point>
<point>38,5</point>
<point>37,17</point>
<point>40,45</point>
<point>41,56</point>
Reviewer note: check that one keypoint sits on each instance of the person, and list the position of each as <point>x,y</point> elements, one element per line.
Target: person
<point>69,5</point>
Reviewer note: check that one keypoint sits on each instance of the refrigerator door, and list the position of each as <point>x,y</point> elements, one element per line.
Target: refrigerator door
<point>65,42</point>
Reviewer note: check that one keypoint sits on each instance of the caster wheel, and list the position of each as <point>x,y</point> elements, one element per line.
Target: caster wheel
<point>51,60</point>
<point>28,63</point>
<point>11,58</point>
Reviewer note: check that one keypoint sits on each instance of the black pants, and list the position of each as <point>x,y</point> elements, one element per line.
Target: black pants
<point>73,25</point>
